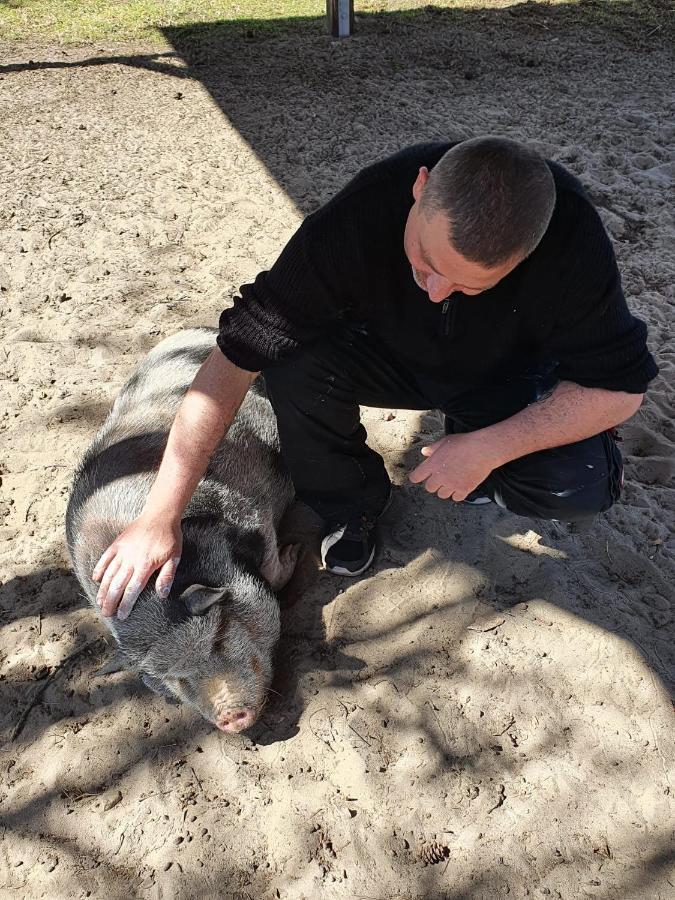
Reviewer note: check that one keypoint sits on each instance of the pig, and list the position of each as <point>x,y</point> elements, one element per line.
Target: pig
<point>211,642</point>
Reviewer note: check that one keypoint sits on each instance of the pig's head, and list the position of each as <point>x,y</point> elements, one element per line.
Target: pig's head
<point>217,653</point>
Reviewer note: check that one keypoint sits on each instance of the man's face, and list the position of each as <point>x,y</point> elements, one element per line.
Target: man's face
<point>437,267</point>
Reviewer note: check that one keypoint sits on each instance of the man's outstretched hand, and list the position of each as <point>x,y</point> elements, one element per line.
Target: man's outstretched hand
<point>126,566</point>
<point>455,465</point>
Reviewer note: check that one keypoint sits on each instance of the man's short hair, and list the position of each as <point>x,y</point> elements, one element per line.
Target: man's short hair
<point>498,196</point>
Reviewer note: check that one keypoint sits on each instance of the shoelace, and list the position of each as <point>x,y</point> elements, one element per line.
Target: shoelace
<point>359,528</point>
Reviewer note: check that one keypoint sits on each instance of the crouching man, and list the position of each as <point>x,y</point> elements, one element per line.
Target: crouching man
<point>475,278</point>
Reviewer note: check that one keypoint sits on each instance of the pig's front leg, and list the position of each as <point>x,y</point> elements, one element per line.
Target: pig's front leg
<point>117,663</point>
<point>279,565</point>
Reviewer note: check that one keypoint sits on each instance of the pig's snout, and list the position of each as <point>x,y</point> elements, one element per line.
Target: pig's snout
<point>236,720</point>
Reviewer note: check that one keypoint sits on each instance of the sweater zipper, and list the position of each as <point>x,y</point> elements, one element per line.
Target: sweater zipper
<point>446,317</point>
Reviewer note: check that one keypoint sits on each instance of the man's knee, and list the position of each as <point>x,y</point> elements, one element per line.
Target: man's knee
<point>568,505</point>
<point>309,381</point>
<point>570,484</point>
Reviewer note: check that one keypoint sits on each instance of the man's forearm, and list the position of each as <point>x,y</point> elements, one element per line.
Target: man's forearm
<point>570,413</point>
<point>203,417</point>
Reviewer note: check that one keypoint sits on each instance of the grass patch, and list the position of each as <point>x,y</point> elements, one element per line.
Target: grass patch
<point>44,22</point>
<point>89,21</point>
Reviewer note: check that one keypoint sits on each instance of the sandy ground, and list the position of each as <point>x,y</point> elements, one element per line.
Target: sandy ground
<point>485,714</point>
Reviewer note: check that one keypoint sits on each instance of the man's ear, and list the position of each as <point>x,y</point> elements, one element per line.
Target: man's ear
<point>420,181</point>
<point>198,598</point>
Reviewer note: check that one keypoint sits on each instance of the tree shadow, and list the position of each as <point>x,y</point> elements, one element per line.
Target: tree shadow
<point>301,99</point>
<point>623,589</point>
<point>39,595</point>
<point>77,790</point>
<point>367,650</point>
<point>49,609</point>
<point>278,84</point>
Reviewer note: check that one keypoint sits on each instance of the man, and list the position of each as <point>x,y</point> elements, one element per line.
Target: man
<point>475,278</point>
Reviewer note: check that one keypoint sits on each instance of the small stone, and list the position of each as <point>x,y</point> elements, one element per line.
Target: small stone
<point>112,801</point>
<point>486,623</point>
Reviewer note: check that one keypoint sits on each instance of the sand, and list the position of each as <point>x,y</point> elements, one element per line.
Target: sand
<point>485,713</point>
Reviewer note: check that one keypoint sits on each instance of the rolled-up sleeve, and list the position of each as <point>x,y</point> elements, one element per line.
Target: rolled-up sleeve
<point>284,309</point>
<point>596,341</point>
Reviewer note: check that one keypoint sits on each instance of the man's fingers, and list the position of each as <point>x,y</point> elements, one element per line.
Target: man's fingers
<point>421,472</point>
<point>115,590</point>
<point>110,573</point>
<point>450,492</point>
<point>430,449</point>
<point>434,483</point>
<point>426,468</point>
<point>131,594</point>
<point>166,576</point>
<point>102,564</point>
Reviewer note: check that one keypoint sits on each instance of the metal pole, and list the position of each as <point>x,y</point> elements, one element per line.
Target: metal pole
<point>340,15</point>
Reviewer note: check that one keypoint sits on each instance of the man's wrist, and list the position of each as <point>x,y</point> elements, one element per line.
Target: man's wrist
<point>486,445</point>
<point>164,510</point>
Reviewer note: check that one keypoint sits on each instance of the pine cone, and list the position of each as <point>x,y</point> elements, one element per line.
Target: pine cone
<point>433,853</point>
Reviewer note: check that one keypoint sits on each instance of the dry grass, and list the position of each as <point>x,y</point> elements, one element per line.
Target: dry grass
<point>88,21</point>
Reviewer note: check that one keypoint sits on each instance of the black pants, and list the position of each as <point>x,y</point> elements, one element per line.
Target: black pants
<point>316,398</point>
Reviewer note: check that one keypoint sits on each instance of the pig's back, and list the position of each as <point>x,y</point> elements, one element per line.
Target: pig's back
<point>244,482</point>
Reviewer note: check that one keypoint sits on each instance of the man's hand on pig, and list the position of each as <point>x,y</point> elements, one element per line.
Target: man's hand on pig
<point>126,566</point>
<point>455,465</point>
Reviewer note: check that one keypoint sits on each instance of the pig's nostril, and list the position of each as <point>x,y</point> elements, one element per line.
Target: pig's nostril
<point>235,720</point>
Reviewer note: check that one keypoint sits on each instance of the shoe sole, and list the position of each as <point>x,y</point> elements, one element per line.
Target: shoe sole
<point>479,501</point>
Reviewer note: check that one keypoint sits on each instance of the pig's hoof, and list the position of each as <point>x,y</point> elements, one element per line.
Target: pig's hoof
<point>278,572</point>
<point>117,663</point>
<point>288,558</point>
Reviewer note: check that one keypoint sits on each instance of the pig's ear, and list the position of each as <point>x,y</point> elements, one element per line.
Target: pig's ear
<point>198,598</point>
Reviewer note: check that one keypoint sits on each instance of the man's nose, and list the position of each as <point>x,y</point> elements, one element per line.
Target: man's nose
<point>438,288</point>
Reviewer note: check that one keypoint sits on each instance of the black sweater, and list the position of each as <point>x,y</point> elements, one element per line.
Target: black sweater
<point>562,306</point>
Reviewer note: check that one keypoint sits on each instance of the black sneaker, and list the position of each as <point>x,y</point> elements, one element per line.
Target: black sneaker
<point>349,549</point>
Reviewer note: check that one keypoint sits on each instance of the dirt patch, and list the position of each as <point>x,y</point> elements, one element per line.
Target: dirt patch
<point>487,712</point>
